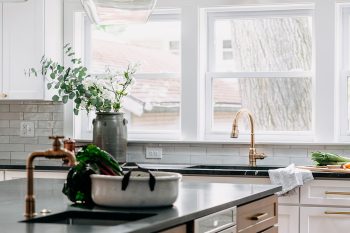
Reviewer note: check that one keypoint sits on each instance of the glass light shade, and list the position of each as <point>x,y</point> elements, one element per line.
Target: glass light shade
<point>108,12</point>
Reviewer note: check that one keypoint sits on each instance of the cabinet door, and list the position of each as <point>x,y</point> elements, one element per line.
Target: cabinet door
<point>23,47</point>
<point>288,219</point>
<point>324,220</point>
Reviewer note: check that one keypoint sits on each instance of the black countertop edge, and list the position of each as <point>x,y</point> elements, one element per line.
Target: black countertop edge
<point>190,171</point>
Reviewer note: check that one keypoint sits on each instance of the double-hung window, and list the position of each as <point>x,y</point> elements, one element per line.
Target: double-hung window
<point>261,60</point>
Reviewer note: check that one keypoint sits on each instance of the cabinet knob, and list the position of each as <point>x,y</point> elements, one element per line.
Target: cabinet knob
<point>3,95</point>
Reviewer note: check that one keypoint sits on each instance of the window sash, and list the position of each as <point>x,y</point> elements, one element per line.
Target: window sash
<point>273,135</point>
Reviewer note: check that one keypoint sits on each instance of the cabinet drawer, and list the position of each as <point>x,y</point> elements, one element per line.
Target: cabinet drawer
<point>326,192</point>
<point>273,229</point>
<point>216,222</point>
<point>229,230</point>
<point>258,215</point>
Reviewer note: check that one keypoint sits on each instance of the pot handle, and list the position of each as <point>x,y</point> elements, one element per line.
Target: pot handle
<point>151,181</point>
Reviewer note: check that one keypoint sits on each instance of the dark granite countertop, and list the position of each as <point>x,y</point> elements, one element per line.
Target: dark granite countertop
<point>195,200</point>
<point>217,170</point>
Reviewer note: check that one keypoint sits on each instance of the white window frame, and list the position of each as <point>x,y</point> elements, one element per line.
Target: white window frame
<point>194,64</point>
<point>343,49</point>
<point>212,74</point>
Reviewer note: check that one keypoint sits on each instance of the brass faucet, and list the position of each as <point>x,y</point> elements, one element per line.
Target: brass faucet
<point>55,153</point>
<point>253,155</point>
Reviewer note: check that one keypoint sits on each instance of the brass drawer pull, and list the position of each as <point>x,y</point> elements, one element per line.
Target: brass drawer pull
<point>259,216</point>
<point>338,193</point>
<point>341,212</point>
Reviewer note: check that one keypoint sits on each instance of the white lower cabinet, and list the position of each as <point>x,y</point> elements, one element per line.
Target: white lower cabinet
<point>288,219</point>
<point>324,220</point>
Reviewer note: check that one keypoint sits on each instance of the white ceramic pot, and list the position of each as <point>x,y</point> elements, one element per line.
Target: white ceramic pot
<point>107,190</point>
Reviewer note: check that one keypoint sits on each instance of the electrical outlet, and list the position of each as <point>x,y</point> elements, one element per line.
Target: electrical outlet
<point>154,152</point>
<point>27,129</point>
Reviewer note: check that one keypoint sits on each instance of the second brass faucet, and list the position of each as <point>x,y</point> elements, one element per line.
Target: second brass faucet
<point>253,155</point>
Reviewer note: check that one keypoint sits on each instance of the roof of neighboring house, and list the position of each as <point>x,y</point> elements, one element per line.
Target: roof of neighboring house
<point>158,91</point>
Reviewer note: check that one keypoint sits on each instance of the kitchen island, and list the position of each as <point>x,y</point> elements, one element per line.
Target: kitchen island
<point>195,200</point>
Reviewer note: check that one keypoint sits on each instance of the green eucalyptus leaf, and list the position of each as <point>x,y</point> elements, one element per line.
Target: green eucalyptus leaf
<point>34,72</point>
<point>65,99</point>
<point>49,85</point>
<point>55,98</point>
<point>53,75</point>
<point>71,95</point>
<point>77,100</point>
<point>76,111</point>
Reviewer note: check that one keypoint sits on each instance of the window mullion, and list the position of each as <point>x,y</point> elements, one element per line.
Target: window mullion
<point>324,96</point>
<point>189,64</point>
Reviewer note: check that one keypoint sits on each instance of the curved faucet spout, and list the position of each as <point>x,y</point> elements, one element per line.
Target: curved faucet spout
<point>55,153</point>
<point>253,155</point>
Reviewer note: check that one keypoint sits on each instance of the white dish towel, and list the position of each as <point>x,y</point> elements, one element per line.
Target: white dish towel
<point>289,178</point>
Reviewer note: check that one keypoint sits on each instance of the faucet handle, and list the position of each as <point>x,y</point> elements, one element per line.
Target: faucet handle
<point>56,145</point>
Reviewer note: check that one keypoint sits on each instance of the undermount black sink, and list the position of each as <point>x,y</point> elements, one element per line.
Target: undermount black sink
<point>90,218</point>
<point>234,167</point>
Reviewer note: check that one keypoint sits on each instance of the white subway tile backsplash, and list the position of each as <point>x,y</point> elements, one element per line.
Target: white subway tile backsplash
<point>37,116</point>
<point>5,155</point>
<point>4,123</point>
<point>9,131</point>
<point>23,108</point>
<point>212,151</point>
<point>11,147</point>
<point>176,159</point>
<point>19,155</point>
<point>50,108</point>
<point>58,116</point>
<point>290,152</point>
<point>4,108</point>
<point>11,116</point>
<point>198,151</point>
<point>4,139</point>
<point>276,161</point>
<point>301,161</point>
<point>48,119</point>
<point>50,124</point>
<point>36,147</point>
<point>57,132</point>
<point>25,140</point>
<point>44,140</point>
<point>44,132</point>
<point>198,159</point>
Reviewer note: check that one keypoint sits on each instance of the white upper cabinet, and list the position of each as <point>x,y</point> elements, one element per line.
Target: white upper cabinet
<point>23,46</point>
<point>28,32</point>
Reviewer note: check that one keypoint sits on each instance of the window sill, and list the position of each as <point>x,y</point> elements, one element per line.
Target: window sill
<point>227,142</point>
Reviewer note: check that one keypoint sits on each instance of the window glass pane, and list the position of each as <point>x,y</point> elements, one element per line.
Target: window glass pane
<point>263,44</point>
<point>155,103</point>
<point>155,45</point>
<point>278,104</point>
<point>348,92</point>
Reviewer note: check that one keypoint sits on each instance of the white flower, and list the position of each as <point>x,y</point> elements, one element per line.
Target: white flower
<point>108,95</point>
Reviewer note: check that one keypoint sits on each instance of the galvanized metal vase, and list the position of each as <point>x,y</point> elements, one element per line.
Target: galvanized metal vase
<point>110,134</point>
